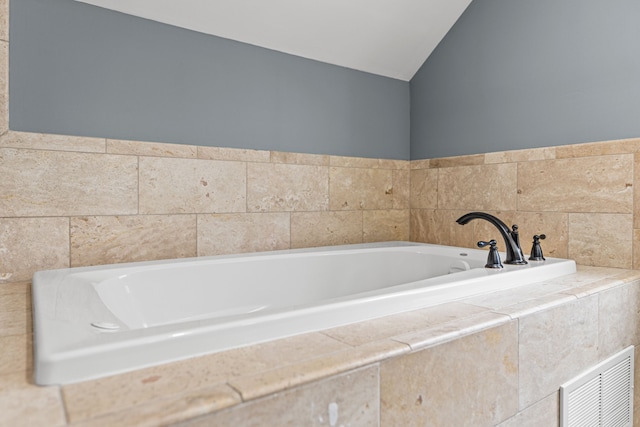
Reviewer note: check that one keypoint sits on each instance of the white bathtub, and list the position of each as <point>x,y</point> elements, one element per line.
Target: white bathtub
<point>91,322</point>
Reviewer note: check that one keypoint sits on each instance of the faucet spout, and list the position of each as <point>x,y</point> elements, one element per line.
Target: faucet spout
<point>511,238</point>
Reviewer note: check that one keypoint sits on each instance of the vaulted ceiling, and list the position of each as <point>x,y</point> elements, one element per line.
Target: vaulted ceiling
<point>391,38</point>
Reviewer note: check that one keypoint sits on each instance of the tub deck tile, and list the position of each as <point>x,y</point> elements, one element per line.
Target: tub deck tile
<point>16,354</point>
<point>453,330</point>
<point>594,287</point>
<point>508,297</point>
<point>311,369</point>
<point>398,324</point>
<point>15,309</point>
<point>94,398</point>
<point>535,305</point>
<point>170,410</point>
<point>24,404</point>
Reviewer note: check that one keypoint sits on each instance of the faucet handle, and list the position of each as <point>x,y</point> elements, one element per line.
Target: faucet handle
<point>536,249</point>
<point>493,260</point>
<point>515,235</point>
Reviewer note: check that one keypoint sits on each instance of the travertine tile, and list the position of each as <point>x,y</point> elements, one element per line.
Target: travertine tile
<point>119,392</point>
<point>276,187</point>
<point>602,148</point>
<point>47,141</point>
<point>554,225</point>
<point>348,399</point>
<point>253,386</point>
<point>360,188</point>
<point>586,274</point>
<point>587,184</point>
<point>556,345</point>
<point>354,162</point>
<point>238,233</point>
<point>113,239</point>
<point>16,322</point>
<point>55,183</point>
<point>449,162</point>
<point>299,158</point>
<point>546,413</point>
<point>601,239</point>
<point>441,333</point>
<point>4,87</point>
<point>142,148</point>
<point>421,228</point>
<point>173,409</point>
<point>536,305</point>
<point>23,404</point>
<point>636,396</point>
<point>237,154</point>
<point>21,288</point>
<point>585,290</point>
<point>619,322</point>
<point>309,229</point>
<point>171,185</point>
<point>401,188</point>
<point>509,297</point>
<point>15,303</point>
<point>4,20</point>
<point>521,155</point>
<point>394,164</point>
<point>28,245</point>
<point>381,226</point>
<point>636,190</point>
<point>424,189</point>
<point>16,354</point>
<point>15,311</point>
<point>471,381</point>
<point>440,227</point>
<point>485,187</point>
<point>636,248</point>
<point>400,324</point>
<point>627,276</point>
<point>420,164</point>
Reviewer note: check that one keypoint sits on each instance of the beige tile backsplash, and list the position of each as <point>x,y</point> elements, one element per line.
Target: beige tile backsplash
<point>74,201</point>
<point>55,183</point>
<point>113,239</point>
<point>586,184</point>
<point>581,197</point>
<point>242,232</point>
<point>278,187</point>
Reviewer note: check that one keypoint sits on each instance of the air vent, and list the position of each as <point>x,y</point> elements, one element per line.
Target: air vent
<point>601,396</point>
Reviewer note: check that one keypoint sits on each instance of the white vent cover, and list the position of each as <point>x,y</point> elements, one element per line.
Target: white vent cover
<point>601,396</point>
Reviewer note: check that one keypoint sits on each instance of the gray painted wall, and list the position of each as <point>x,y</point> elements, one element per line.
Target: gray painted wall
<point>515,74</point>
<point>81,70</point>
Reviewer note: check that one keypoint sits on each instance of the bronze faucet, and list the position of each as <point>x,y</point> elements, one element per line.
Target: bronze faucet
<point>511,237</point>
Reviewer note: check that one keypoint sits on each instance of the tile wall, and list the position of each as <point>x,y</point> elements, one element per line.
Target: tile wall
<point>580,196</point>
<point>72,201</point>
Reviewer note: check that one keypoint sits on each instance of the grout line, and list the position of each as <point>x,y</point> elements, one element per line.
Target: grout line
<point>138,194</point>
<point>69,241</point>
<point>197,236</point>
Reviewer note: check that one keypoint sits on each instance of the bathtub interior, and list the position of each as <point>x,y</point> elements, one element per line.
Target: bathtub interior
<point>242,286</point>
